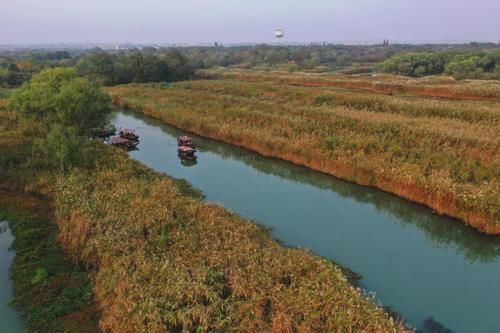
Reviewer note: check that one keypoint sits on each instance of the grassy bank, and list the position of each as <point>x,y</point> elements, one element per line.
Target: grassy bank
<point>52,293</point>
<point>164,261</point>
<point>435,86</point>
<point>441,153</point>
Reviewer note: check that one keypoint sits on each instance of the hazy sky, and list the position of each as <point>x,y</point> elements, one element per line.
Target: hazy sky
<point>193,21</point>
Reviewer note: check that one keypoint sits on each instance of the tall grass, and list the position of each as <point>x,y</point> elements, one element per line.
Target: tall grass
<point>446,87</point>
<point>4,92</point>
<point>167,262</point>
<point>163,261</point>
<point>444,154</point>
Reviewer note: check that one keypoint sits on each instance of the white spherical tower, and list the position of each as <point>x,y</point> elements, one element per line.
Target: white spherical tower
<point>279,33</point>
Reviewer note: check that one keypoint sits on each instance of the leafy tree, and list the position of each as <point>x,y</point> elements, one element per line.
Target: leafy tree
<point>149,68</point>
<point>57,96</point>
<point>81,104</point>
<point>278,55</point>
<point>465,68</point>
<point>98,66</point>
<point>414,64</point>
<point>61,149</point>
<point>460,64</point>
<point>4,75</point>
<point>124,73</point>
<point>178,65</point>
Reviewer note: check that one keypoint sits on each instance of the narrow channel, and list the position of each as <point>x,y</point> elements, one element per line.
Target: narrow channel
<point>10,320</point>
<point>440,275</point>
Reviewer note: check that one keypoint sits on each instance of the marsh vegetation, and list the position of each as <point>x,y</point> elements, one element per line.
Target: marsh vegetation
<point>158,259</point>
<point>442,153</point>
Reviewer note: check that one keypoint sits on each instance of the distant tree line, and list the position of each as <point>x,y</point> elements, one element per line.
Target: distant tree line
<point>314,57</point>
<point>136,67</point>
<point>348,59</point>
<point>150,64</point>
<point>458,63</point>
<point>109,67</point>
<point>18,67</point>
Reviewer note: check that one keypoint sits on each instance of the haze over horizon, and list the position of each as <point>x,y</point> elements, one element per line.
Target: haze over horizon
<point>194,21</point>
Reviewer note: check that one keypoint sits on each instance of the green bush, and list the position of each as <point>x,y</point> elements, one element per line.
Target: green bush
<point>40,276</point>
<point>460,64</point>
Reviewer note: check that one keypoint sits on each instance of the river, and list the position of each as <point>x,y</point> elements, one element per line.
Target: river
<point>440,275</point>
<point>10,320</point>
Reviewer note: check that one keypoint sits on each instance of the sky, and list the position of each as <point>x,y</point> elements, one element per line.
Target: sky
<point>247,21</point>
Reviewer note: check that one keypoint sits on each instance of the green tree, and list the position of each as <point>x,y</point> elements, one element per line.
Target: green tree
<point>81,104</point>
<point>470,67</point>
<point>98,66</point>
<point>57,96</point>
<point>4,75</point>
<point>178,65</point>
<point>278,55</point>
<point>414,64</point>
<point>61,149</point>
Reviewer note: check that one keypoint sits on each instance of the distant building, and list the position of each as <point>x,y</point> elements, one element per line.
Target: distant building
<point>386,43</point>
<point>126,46</point>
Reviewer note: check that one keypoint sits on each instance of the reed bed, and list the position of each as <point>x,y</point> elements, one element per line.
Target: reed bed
<point>161,260</point>
<point>168,263</point>
<point>441,153</point>
<point>435,86</point>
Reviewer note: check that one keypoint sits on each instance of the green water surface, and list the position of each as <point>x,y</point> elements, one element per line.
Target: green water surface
<point>10,320</point>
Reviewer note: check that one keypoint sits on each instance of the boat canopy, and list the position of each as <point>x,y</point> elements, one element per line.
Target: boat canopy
<point>118,140</point>
<point>185,149</point>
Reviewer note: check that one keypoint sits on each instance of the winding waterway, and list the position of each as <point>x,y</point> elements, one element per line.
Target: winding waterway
<point>437,273</point>
<point>10,320</point>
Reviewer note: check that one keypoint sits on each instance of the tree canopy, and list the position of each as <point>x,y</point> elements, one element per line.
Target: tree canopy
<point>458,63</point>
<point>58,96</point>
<point>139,67</point>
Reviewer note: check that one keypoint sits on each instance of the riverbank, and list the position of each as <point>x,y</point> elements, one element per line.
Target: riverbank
<point>50,291</point>
<point>162,260</point>
<point>426,151</point>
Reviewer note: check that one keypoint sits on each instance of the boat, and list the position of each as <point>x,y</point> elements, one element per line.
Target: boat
<point>187,153</point>
<point>129,134</point>
<point>121,142</point>
<point>185,141</point>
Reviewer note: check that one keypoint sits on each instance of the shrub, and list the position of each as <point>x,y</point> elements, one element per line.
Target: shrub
<point>40,276</point>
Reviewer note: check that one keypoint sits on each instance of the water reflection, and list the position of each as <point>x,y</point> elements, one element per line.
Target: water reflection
<point>188,163</point>
<point>10,320</point>
<point>3,227</point>
<point>432,326</point>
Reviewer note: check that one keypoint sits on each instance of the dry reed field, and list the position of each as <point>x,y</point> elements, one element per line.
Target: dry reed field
<point>161,260</point>
<point>432,86</point>
<point>439,152</point>
<point>166,262</point>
